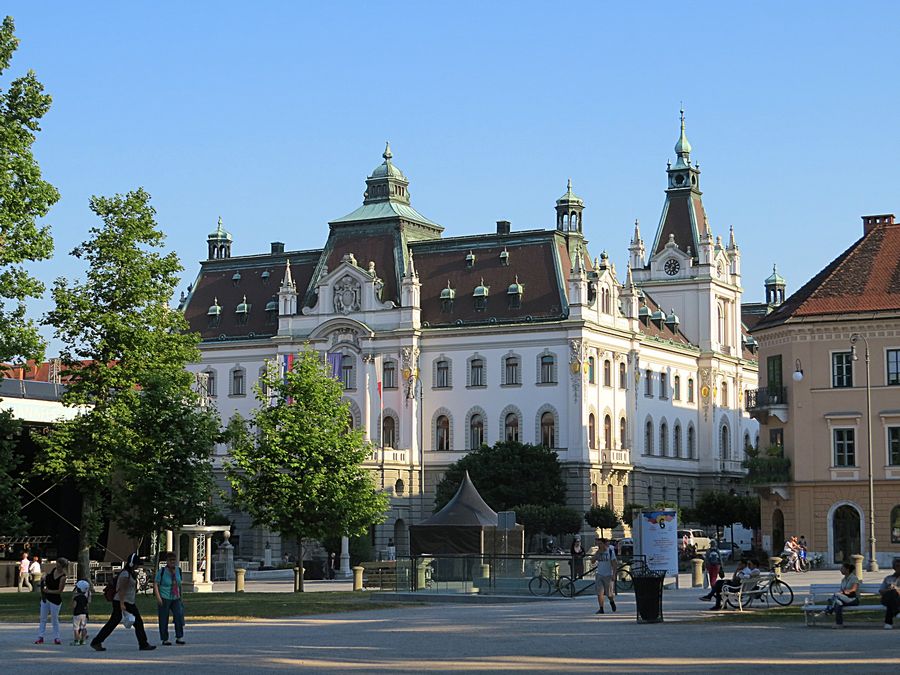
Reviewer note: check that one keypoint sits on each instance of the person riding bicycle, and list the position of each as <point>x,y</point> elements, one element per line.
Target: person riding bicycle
<point>792,554</point>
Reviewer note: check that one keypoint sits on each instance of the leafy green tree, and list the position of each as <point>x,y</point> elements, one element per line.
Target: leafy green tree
<point>562,520</point>
<point>532,517</point>
<point>11,521</point>
<point>164,478</point>
<point>507,474</point>
<point>119,336</point>
<point>25,197</point>
<point>301,473</point>
<point>603,517</point>
<point>631,511</point>
<point>717,508</point>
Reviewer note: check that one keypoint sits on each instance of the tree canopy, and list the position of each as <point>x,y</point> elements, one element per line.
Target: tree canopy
<point>300,472</point>
<point>603,517</point>
<point>507,474</point>
<point>11,521</point>
<point>25,197</point>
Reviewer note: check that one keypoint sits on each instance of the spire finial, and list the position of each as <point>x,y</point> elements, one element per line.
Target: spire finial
<point>288,280</point>
<point>569,185</point>
<point>387,151</point>
<point>682,147</point>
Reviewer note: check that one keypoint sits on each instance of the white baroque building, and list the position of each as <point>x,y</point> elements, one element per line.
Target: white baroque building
<point>636,381</point>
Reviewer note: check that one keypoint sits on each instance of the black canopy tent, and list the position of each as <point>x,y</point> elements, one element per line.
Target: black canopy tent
<point>465,526</point>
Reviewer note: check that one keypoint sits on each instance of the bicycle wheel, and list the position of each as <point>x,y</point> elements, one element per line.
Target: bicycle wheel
<point>566,587</point>
<point>540,586</point>
<point>624,580</point>
<point>781,593</point>
<point>804,565</point>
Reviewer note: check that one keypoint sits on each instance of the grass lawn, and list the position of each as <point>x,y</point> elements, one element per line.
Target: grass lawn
<point>793,614</point>
<point>210,606</point>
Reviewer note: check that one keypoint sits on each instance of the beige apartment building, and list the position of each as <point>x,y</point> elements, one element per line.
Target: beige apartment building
<point>812,402</point>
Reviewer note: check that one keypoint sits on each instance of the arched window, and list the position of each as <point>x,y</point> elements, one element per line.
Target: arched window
<point>676,441</point>
<point>511,428</point>
<point>663,385</point>
<point>690,443</point>
<point>476,432</point>
<point>399,487</point>
<point>648,438</point>
<point>592,375</point>
<point>747,445</point>
<point>607,304</point>
<point>347,371</point>
<point>724,394</point>
<point>592,431</point>
<point>595,497</point>
<point>607,373</point>
<point>607,432</point>
<point>547,368</point>
<point>610,496</point>
<point>720,310</point>
<point>623,377</point>
<point>663,439</point>
<point>622,433</point>
<point>511,370</point>
<point>676,387</point>
<point>725,442</point>
<point>388,431</point>
<point>548,428</point>
<point>442,432</point>
<point>690,390</point>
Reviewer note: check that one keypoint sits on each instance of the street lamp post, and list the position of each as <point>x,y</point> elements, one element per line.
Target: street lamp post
<point>873,561</point>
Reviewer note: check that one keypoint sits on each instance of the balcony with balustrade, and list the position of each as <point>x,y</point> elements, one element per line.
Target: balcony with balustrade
<point>765,401</point>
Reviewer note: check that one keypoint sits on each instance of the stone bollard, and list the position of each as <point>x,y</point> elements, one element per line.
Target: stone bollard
<point>239,579</point>
<point>357,578</point>
<point>696,572</point>
<point>298,579</point>
<point>775,565</point>
<point>485,571</point>
<point>421,578</point>
<point>858,566</point>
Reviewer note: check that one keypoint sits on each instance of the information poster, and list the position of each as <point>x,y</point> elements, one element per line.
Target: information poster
<point>659,539</point>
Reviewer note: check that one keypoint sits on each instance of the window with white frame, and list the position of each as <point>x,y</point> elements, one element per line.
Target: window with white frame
<point>663,439</point>
<point>347,374</point>
<point>442,374</point>
<point>442,433</point>
<point>607,432</point>
<point>210,383</point>
<point>607,373</point>
<point>592,431</point>
<point>388,432</point>
<point>841,370</point>
<point>512,371</point>
<point>648,438</point>
<point>622,428</point>
<point>663,385</point>
<point>690,392</point>
<point>724,394</point>
<point>676,388</point>
<point>476,431</point>
<point>690,442</point>
<point>844,441</point>
<point>389,375</point>
<point>238,382</point>
<point>623,377</point>
<point>725,442</point>
<point>592,370</point>
<point>893,440</point>
<point>892,356</point>
<point>676,440</point>
<point>511,428</point>
<point>548,429</point>
<point>648,382</point>
<point>548,369</point>
<point>476,372</point>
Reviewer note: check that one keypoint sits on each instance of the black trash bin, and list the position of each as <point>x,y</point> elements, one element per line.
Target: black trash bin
<point>648,591</point>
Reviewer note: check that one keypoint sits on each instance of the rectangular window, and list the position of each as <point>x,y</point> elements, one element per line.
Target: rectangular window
<point>547,370</point>
<point>841,370</point>
<point>237,383</point>
<point>442,380</point>
<point>676,388</point>
<point>893,435</point>
<point>845,447</point>
<point>663,385</point>
<point>893,366</point>
<point>390,375</point>
<point>512,371</point>
<point>773,371</point>
<point>476,374</point>
<point>776,437</point>
<point>648,382</point>
<point>690,390</point>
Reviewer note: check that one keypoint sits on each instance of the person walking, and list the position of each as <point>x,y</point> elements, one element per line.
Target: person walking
<point>81,598</point>
<point>24,575</point>
<point>168,591</point>
<point>52,587</point>
<point>713,566</point>
<point>123,605</point>
<point>849,595</point>
<point>890,595</point>
<point>34,569</point>
<point>605,573</point>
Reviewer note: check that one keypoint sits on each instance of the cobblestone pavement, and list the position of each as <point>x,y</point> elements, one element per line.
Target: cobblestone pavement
<point>549,636</point>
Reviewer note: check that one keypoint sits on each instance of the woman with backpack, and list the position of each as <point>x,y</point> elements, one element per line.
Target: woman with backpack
<point>168,591</point>
<point>713,564</point>
<point>52,586</point>
<point>122,597</point>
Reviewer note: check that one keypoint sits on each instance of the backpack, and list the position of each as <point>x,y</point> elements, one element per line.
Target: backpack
<point>109,591</point>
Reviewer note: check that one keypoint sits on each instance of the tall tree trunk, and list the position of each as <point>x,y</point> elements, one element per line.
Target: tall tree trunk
<point>87,536</point>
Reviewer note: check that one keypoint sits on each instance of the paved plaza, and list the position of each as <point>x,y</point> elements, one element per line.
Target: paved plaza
<point>526,637</point>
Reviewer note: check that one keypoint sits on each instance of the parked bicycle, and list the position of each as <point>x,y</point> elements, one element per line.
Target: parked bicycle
<point>772,587</point>
<point>625,573</point>
<point>546,584</point>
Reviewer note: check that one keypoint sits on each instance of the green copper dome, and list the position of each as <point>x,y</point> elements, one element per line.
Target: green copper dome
<point>220,233</point>
<point>387,169</point>
<point>682,147</point>
<point>570,197</point>
<point>775,279</point>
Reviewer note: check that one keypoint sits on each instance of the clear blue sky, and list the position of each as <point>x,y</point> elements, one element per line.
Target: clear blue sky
<point>272,114</point>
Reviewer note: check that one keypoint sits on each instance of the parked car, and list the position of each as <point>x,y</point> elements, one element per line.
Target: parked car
<point>695,538</point>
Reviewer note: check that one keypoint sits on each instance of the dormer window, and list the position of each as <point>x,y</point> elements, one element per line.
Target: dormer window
<point>504,257</point>
<point>644,314</point>
<point>242,311</point>
<point>480,296</point>
<point>658,317</point>
<point>214,314</point>
<point>514,294</point>
<point>470,260</point>
<point>236,278</point>
<point>447,297</point>
<point>265,276</point>
<point>272,312</point>
<point>672,321</point>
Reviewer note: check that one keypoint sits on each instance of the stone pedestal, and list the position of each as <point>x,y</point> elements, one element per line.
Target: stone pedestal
<point>696,572</point>
<point>357,578</point>
<point>858,565</point>
<point>239,580</point>
<point>226,556</point>
<point>345,572</point>
<point>775,565</point>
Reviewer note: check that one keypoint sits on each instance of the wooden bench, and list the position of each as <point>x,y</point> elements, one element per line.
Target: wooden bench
<point>382,575</point>
<point>812,610</point>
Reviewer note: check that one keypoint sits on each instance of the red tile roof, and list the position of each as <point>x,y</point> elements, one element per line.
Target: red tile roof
<point>864,278</point>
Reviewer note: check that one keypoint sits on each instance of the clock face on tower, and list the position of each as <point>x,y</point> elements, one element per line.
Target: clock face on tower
<point>672,266</point>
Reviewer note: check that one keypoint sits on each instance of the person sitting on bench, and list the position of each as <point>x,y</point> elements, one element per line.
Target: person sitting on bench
<point>890,595</point>
<point>745,570</point>
<point>849,595</point>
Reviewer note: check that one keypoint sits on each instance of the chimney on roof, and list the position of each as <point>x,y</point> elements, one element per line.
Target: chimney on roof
<point>277,247</point>
<point>503,227</point>
<point>871,222</point>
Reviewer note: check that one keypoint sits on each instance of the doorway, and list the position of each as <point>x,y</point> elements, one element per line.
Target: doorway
<point>777,531</point>
<point>401,537</point>
<point>845,533</point>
